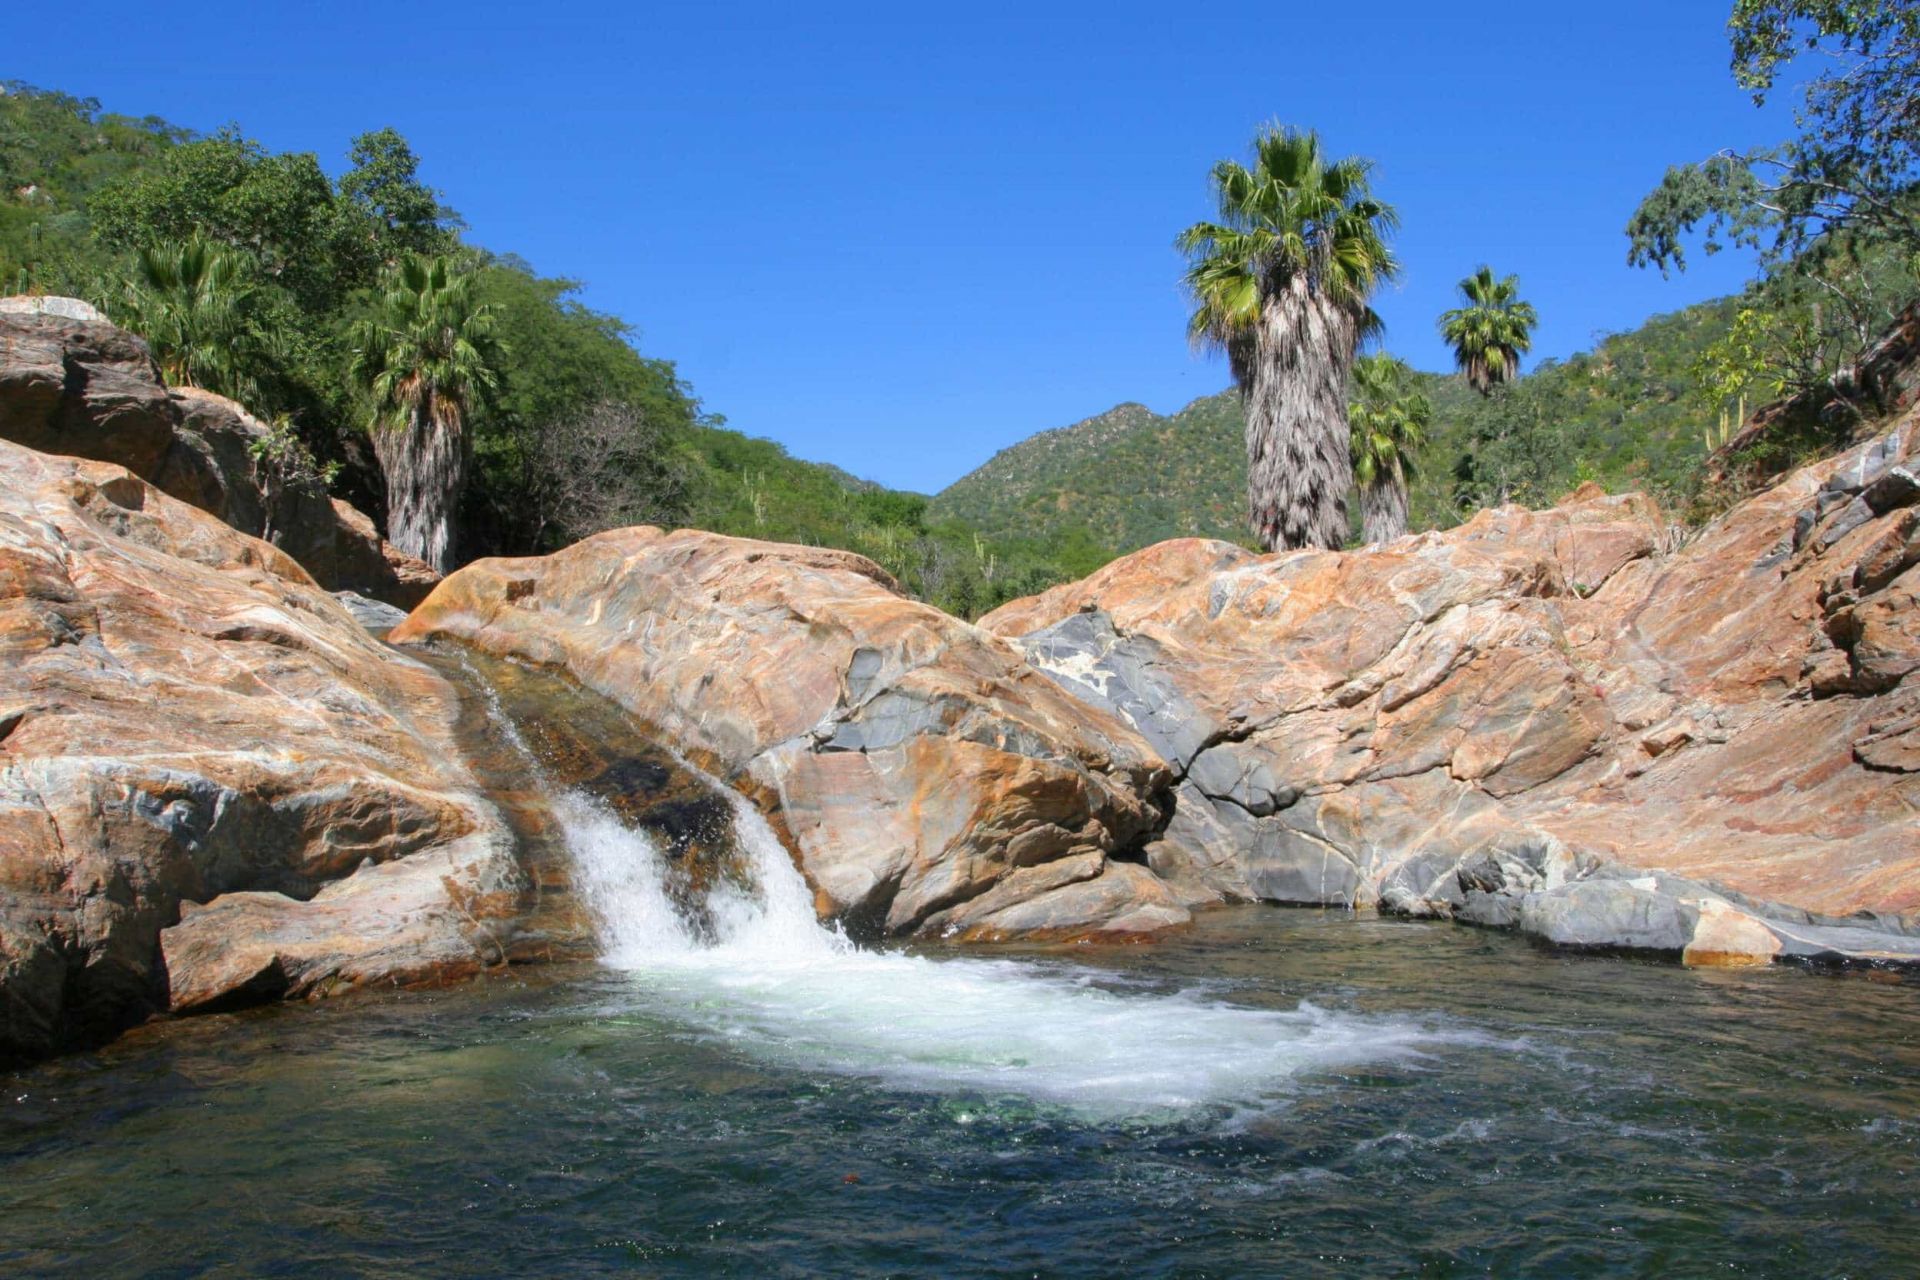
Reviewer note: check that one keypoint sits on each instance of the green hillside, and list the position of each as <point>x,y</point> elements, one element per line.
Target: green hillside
<point>582,429</point>
<point>1126,478</point>
<point>1626,414</point>
<point>754,488</point>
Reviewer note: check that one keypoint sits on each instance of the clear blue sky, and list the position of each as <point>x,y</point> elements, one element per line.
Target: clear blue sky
<point>899,238</point>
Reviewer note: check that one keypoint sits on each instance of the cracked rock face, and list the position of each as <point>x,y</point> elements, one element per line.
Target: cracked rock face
<point>1475,723</point>
<point>214,785</point>
<point>926,777</point>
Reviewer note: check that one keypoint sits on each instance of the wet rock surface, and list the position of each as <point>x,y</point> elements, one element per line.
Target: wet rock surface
<point>540,735</point>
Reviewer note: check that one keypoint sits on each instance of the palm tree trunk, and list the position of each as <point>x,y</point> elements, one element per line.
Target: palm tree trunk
<point>1299,464</point>
<point>1383,511</point>
<point>425,466</point>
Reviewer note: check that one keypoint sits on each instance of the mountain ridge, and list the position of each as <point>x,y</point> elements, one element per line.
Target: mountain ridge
<point>1124,477</point>
<point>1626,413</point>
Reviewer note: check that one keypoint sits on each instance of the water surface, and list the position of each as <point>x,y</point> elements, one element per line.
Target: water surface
<point>735,1090</point>
<point>1275,1092</point>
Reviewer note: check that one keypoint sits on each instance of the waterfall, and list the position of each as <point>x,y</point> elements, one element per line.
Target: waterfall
<point>756,970</point>
<point>621,874</point>
<point>776,984</point>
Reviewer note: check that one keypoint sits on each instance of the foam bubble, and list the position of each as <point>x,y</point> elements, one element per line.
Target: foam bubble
<point>776,984</point>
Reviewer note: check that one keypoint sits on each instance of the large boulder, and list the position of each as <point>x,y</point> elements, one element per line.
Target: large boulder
<point>1500,712</point>
<point>82,387</point>
<point>214,784</point>
<point>927,778</point>
<point>219,463</point>
<point>73,384</point>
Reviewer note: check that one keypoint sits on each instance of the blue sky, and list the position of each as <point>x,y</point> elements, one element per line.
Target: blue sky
<point>899,238</point>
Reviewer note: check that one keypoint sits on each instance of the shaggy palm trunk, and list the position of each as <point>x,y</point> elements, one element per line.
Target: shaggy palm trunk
<point>1299,465</point>
<point>425,464</point>
<point>1383,510</point>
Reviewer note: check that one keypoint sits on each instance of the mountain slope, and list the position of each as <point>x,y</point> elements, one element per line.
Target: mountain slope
<point>1624,414</point>
<point>1121,480</point>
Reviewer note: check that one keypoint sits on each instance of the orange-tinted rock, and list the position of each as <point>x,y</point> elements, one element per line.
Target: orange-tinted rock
<point>1553,686</point>
<point>185,716</point>
<point>1726,938</point>
<point>83,388</point>
<point>917,764</point>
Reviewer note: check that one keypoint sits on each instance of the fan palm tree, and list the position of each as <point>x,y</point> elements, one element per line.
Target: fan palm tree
<point>1491,332</point>
<point>190,300</point>
<point>1281,283</point>
<point>1390,418</point>
<point>426,358</point>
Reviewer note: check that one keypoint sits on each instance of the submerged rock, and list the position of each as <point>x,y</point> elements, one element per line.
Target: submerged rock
<point>927,778</point>
<point>187,718</point>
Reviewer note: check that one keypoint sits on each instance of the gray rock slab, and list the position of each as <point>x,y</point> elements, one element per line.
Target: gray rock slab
<point>1615,914</point>
<point>1121,674</point>
<point>1836,942</point>
<point>1894,488</point>
<point>1292,867</point>
<point>372,614</point>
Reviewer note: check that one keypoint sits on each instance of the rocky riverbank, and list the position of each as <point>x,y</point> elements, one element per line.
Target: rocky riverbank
<point>1580,721</point>
<point>217,786</point>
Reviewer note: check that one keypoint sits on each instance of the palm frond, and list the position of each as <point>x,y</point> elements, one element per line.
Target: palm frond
<point>1389,417</point>
<point>1293,215</point>
<point>431,351</point>
<point>1492,331</point>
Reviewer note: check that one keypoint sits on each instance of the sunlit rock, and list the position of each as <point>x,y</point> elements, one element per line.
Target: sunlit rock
<point>918,765</point>
<point>186,717</point>
<point>1370,727</point>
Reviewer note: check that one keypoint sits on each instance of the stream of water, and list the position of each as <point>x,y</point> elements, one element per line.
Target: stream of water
<point>742,1091</point>
<point>782,988</point>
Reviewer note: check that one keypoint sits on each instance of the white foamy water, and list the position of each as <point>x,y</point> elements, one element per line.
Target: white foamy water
<point>778,985</point>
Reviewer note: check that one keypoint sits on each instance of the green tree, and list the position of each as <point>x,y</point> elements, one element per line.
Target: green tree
<point>566,362</point>
<point>1738,367</point>
<point>1390,417</point>
<point>1834,212</point>
<point>1491,332</point>
<point>427,359</point>
<point>279,208</point>
<point>1281,283</point>
<point>1517,450</point>
<point>384,184</point>
<point>191,301</point>
<point>1853,167</point>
